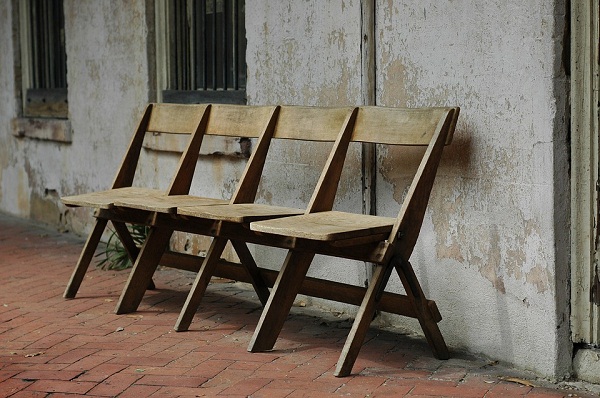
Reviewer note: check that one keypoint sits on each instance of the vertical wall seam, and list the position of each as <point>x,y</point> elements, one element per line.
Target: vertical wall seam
<point>369,97</point>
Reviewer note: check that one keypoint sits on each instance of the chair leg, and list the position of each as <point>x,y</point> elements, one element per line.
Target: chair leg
<point>364,316</point>
<point>426,319</point>
<point>140,277</point>
<point>85,258</point>
<point>129,245</point>
<point>280,301</point>
<point>195,295</point>
<point>261,288</point>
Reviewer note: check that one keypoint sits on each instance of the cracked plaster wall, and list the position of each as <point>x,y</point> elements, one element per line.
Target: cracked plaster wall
<point>107,73</point>
<point>493,248</point>
<point>111,77</point>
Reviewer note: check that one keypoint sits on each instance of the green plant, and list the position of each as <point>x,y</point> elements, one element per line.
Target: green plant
<point>115,255</point>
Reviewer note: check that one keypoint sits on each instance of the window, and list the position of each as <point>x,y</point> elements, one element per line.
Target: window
<point>43,58</point>
<point>201,46</point>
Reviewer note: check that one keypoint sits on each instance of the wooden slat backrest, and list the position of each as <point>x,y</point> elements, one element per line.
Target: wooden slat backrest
<point>310,123</point>
<point>175,118</point>
<point>400,126</point>
<point>158,118</point>
<point>238,120</point>
<point>410,218</point>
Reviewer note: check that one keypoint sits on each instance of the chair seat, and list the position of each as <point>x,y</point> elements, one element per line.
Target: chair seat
<point>165,203</point>
<point>106,199</point>
<point>238,213</point>
<point>326,226</point>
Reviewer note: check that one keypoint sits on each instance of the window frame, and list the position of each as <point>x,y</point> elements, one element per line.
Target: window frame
<point>37,102</point>
<point>163,69</point>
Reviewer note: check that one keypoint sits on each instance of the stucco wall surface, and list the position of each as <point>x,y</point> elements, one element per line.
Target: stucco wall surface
<point>306,53</point>
<point>492,248</point>
<point>107,74</point>
<point>488,242</point>
<point>487,249</point>
<point>13,182</point>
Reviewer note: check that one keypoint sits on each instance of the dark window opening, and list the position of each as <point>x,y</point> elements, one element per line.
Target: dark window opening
<point>207,47</point>
<point>46,94</point>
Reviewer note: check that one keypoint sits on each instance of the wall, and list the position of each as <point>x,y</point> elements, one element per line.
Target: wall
<point>305,53</point>
<point>108,75</point>
<point>487,250</point>
<point>493,249</point>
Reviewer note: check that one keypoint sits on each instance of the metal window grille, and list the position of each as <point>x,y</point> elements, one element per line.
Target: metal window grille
<point>44,58</point>
<point>47,48</point>
<point>207,45</point>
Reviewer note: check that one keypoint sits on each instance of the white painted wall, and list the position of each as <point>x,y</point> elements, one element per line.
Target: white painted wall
<point>493,247</point>
<point>487,251</point>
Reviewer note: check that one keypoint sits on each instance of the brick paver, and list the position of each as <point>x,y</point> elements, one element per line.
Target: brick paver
<point>52,347</point>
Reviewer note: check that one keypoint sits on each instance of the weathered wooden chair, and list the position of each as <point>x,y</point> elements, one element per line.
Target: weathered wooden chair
<point>385,242</point>
<point>162,121</point>
<point>332,125</point>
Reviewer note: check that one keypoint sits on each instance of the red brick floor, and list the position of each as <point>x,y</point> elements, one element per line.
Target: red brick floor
<point>52,347</point>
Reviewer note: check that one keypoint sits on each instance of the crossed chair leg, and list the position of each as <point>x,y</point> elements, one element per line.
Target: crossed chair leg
<point>288,285</point>
<point>147,261</point>
<point>207,270</point>
<point>89,249</point>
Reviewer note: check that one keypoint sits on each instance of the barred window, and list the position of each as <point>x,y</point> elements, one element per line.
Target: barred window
<point>44,59</point>
<point>203,46</point>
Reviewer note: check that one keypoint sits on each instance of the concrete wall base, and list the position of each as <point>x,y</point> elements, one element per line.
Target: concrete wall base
<point>586,365</point>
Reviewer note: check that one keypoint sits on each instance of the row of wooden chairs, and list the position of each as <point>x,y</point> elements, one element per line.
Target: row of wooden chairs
<point>385,242</point>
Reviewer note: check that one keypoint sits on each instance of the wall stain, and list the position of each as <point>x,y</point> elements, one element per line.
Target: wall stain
<point>469,217</point>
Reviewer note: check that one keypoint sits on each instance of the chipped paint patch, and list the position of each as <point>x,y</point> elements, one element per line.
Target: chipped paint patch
<point>480,237</point>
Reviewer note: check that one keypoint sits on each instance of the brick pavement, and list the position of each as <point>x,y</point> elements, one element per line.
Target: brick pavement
<point>51,347</point>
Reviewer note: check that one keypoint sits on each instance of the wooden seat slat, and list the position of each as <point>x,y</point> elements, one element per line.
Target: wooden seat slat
<point>164,203</point>
<point>326,226</point>
<point>237,213</point>
<point>105,199</point>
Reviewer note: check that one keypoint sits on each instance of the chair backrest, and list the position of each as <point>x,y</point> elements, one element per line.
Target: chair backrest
<point>234,121</point>
<point>306,124</point>
<point>196,120</point>
<point>174,118</point>
<point>239,120</point>
<point>431,127</point>
<point>400,126</point>
<point>158,118</point>
<point>310,123</point>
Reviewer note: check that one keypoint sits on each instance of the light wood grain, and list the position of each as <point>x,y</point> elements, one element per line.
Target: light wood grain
<point>310,123</point>
<point>164,203</point>
<point>326,226</point>
<point>238,120</point>
<point>175,118</point>
<point>105,199</point>
<point>398,126</point>
<point>238,213</point>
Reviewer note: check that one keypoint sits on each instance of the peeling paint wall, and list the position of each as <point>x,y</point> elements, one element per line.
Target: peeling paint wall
<point>111,71</point>
<point>493,246</point>
<point>107,67</point>
<point>491,231</point>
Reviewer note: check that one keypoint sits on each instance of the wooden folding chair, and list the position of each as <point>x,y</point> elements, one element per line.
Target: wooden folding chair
<point>386,242</point>
<point>158,118</point>
<point>293,123</point>
<point>161,121</point>
<point>224,120</point>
